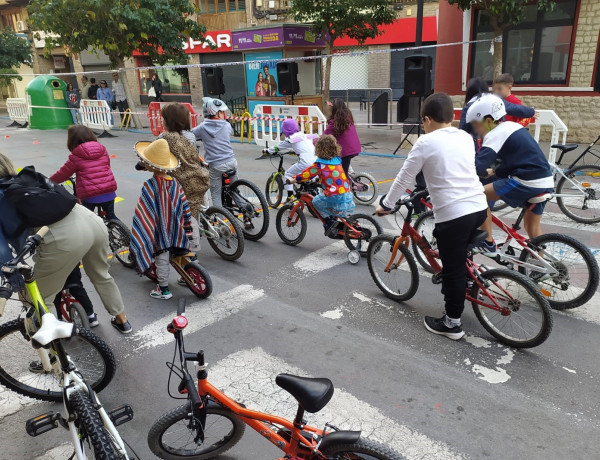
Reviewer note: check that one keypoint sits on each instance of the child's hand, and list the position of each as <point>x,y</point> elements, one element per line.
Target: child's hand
<point>490,173</point>
<point>536,115</point>
<point>291,180</point>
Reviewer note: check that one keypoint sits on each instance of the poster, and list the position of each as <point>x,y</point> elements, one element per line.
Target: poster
<point>261,73</point>
<point>258,38</point>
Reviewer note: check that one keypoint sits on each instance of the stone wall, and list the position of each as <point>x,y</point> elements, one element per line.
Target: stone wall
<point>584,52</point>
<point>379,67</point>
<point>195,77</point>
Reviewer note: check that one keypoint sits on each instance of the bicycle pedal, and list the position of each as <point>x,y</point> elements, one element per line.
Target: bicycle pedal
<point>121,414</point>
<point>41,424</point>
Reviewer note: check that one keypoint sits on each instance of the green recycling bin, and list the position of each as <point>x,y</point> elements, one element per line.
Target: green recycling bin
<point>48,91</point>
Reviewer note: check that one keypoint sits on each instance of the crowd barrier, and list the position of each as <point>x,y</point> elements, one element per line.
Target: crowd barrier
<point>267,121</point>
<point>96,115</point>
<point>18,111</point>
<point>156,121</point>
<point>559,130</point>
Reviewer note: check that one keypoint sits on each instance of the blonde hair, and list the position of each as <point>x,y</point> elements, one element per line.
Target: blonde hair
<point>6,166</point>
<point>327,147</point>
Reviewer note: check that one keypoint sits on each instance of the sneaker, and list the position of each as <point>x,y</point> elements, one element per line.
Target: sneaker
<point>438,326</point>
<point>37,368</point>
<point>487,249</point>
<point>160,293</point>
<point>93,319</point>
<point>332,230</point>
<point>181,282</point>
<point>123,328</point>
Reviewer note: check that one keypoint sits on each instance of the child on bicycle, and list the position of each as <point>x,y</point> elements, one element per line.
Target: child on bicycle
<point>162,219</point>
<point>336,199</point>
<point>511,154</point>
<point>215,133</point>
<point>446,156</point>
<point>302,146</point>
<point>76,289</point>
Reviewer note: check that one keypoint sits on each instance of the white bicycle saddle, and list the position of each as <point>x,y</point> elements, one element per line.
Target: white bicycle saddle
<point>52,329</point>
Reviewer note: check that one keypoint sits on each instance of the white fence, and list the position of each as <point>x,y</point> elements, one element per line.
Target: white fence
<point>96,114</point>
<point>267,121</point>
<point>559,130</point>
<point>18,109</point>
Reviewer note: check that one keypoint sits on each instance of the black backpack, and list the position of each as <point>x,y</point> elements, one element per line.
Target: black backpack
<point>37,200</point>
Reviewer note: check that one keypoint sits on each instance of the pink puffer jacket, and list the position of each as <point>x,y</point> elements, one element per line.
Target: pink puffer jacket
<point>91,165</point>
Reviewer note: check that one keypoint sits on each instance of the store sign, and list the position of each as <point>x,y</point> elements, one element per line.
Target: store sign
<point>221,41</point>
<point>301,36</point>
<point>260,38</point>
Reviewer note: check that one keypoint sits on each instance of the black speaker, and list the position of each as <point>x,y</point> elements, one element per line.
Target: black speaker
<point>417,75</point>
<point>214,81</point>
<point>287,78</point>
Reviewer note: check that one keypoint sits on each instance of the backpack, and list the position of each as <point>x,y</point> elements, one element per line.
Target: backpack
<point>37,200</point>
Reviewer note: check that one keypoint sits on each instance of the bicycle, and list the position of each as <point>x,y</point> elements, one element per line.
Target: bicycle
<point>506,303</point>
<point>356,230</point>
<point>223,231</point>
<point>211,423</point>
<point>564,269</point>
<point>64,374</point>
<point>72,311</point>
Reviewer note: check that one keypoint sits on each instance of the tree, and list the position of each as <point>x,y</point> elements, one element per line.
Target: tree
<point>503,14</point>
<point>157,28</point>
<point>14,51</point>
<point>332,19</point>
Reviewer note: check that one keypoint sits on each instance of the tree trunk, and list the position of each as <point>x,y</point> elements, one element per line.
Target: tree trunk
<point>135,119</point>
<point>498,32</point>
<point>327,76</point>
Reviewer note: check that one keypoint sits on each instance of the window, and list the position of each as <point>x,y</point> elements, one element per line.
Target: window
<point>536,51</point>
<point>174,81</point>
<point>221,6</point>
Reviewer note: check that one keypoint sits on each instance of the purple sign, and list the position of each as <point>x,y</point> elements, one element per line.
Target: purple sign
<point>301,36</point>
<point>259,38</point>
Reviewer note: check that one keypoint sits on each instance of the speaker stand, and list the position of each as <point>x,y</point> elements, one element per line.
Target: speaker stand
<point>412,128</point>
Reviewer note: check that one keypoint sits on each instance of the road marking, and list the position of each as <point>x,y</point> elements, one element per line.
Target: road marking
<point>199,314</point>
<point>12,402</point>
<point>337,313</point>
<point>569,370</point>
<point>248,376</point>
<point>323,259</point>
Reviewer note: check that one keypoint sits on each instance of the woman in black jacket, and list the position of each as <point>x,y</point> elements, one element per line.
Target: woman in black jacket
<point>158,87</point>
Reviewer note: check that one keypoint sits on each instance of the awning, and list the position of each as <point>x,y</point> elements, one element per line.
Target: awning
<point>400,31</point>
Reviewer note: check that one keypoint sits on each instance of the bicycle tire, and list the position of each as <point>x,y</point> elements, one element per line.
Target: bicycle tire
<point>424,219</point>
<point>159,430</point>
<point>274,186</point>
<point>377,264</point>
<point>91,425</point>
<point>371,183</point>
<point>568,209</point>
<point>203,286</point>
<point>124,237</point>
<point>264,210</point>
<point>46,393</point>
<point>151,273</point>
<point>78,315</point>
<point>532,290</point>
<point>233,231</point>
<point>553,285</point>
<point>281,223</point>
<point>363,446</point>
<point>361,245</point>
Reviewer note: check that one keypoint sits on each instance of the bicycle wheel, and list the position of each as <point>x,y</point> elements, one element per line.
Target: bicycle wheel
<point>583,207</point>
<point>249,205</point>
<point>368,228</point>
<point>92,357</point>
<point>230,242</point>
<point>363,449</point>
<point>577,278</point>
<point>364,188</point>
<point>274,190</point>
<point>291,230</point>
<point>176,434</point>
<point>202,286</point>
<point>395,283</point>
<point>119,238</point>
<point>78,316</point>
<point>424,226</point>
<point>91,429</point>
<point>151,273</point>
<point>529,319</point>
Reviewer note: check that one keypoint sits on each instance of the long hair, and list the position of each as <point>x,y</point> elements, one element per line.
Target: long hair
<point>79,134</point>
<point>476,86</point>
<point>6,166</point>
<point>341,116</point>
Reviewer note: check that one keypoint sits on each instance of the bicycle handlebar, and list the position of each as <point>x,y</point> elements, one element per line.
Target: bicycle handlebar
<point>181,307</point>
<point>415,196</point>
<point>33,241</point>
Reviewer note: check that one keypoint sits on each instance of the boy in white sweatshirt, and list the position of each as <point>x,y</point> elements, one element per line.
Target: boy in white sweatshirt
<point>446,156</point>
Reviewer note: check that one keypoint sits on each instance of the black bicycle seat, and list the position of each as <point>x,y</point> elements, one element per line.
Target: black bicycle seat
<point>565,147</point>
<point>478,236</point>
<point>178,252</point>
<point>312,394</point>
<point>229,173</point>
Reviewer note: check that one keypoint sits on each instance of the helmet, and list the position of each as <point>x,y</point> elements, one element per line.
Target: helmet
<point>212,107</point>
<point>488,105</point>
<point>289,127</point>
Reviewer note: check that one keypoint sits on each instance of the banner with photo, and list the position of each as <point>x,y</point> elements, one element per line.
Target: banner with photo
<point>261,73</point>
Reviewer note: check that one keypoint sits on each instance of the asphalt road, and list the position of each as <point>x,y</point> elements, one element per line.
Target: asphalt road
<point>305,309</point>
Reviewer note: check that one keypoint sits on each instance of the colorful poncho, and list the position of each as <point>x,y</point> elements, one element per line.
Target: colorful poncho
<point>160,217</point>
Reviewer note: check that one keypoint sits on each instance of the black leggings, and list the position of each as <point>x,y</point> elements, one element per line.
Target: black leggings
<point>108,207</point>
<point>75,287</point>
<point>346,163</point>
<point>453,238</point>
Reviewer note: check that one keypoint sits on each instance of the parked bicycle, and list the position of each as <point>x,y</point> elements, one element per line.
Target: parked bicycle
<point>210,423</point>
<point>356,231</point>
<point>563,268</point>
<point>51,360</point>
<point>507,304</point>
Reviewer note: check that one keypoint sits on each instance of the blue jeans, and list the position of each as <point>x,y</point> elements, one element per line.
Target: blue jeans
<point>75,115</point>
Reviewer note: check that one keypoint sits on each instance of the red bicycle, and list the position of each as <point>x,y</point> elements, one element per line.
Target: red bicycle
<point>507,304</point>
<point>71,310</point>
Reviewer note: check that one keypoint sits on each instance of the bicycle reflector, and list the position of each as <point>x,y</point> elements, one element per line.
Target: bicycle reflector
<point>586,184</point>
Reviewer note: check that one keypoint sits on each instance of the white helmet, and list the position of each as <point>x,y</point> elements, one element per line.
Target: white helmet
<point>488,105</point>
<point>213,106</point>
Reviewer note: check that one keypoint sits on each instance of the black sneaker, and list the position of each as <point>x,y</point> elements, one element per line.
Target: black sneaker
<point>93,320</point>
<point>438,326</point>
<point>37,368</point>
<point>123,328</point>
<point>333,230</point>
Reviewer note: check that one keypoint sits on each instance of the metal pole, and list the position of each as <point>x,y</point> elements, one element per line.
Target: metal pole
<point>419,37</point>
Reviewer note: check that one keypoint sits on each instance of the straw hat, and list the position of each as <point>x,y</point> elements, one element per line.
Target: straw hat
<point>157,155</point>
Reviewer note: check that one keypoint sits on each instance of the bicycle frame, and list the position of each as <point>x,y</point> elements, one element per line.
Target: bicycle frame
<point>584,153</point>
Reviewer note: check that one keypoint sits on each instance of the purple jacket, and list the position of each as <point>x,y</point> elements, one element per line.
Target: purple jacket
<point>348,140</point>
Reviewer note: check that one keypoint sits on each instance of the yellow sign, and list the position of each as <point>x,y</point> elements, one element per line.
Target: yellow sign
<point>58,94</point>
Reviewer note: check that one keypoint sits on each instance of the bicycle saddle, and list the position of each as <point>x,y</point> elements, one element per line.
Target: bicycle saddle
<point>229,173</point>
<point>565,147</point>
<point>478,236</point>
<point>52,329</point>
<point>540,198</point>
<point>178,252</point>
<point>312,394</point>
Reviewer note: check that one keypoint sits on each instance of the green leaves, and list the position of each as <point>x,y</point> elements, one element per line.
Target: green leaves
<point>505,12</point>
<point>14,51</point>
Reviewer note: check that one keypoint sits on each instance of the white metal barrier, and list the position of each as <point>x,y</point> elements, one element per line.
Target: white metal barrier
<point>267,121</point>
<point>559,130</point>
<point>18,109</point>
<point>96,114</point>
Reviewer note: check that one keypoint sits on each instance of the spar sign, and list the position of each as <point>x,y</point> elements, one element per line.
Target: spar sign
<point>221,40</point>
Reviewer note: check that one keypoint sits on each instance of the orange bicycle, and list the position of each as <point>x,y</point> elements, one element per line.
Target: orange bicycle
<point>211,423</point>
